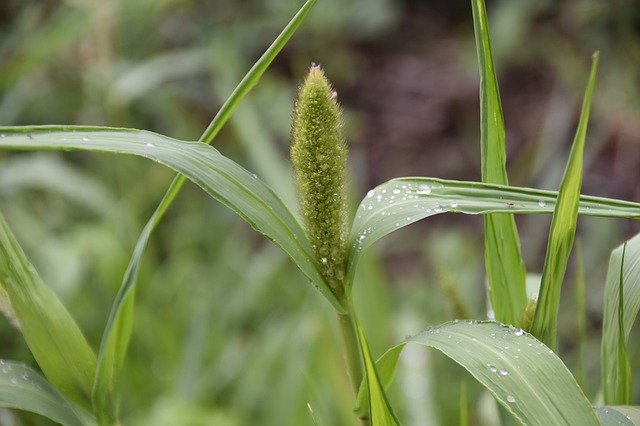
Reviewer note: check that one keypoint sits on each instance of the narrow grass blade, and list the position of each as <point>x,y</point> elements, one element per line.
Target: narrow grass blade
<point>523,374</point>
<point>563,228</point>
<point>23,388</point>
<point>401,202</point>
<point>623,276</point>
<point>54,338</point>
<point>506,273</point>
<point>619,415</point>
<point>581,316</point>
<point>380,410</point>
<point>622,373</point>
<point>386,368</point>
<point>118,330</point>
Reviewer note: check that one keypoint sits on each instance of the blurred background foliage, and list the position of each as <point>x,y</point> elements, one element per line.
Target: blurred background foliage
<point>227,331</point>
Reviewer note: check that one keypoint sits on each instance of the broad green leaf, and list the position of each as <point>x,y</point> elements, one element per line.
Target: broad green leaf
<point>23,388</point>
<point>54,338</point>
<point>506,273</point>
<point>612,340</point>
<point>403,201</point>
<point>118,330</point>
<point>523,374</point>
<point>563,227</point>
<point>380,410</point>
<point>222,178</point>
<point>619,415</point>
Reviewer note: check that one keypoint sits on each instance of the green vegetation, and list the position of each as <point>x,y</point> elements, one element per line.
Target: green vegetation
<point>210,325</point>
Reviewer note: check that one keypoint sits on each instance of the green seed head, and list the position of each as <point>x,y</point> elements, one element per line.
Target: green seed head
<point>319,156</point>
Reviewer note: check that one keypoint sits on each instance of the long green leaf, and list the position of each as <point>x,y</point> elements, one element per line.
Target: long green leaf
<point>219,176</point>
<point>506,273</point>
<point>386,368</point>
<point>23,388</point>
<point>118,330</point>
<point>563,227</point>
<point>612,340</point>
<point>54,338</point>
<point>523,374</point>
<point>379,408</point>
<point>619,415</point>
<point>401,202</point>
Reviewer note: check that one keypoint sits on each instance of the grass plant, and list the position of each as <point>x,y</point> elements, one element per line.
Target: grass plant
<point>517,364</point>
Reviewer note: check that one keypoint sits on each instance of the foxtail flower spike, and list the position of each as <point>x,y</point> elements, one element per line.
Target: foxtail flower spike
<point>319,156</point>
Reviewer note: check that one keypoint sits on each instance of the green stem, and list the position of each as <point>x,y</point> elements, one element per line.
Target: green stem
<point>347,323</point>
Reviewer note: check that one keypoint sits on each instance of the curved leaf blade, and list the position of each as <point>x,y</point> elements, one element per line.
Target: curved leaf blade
<point>403,201</point>
<point>23,388</point>
<point>379,408</point>
<point>54,338</point>
<point>219,176</point>
<point>505,269</point>
<point>563,227</point>
<point>627,275</point>
<point>619,415</point>
<point>115,340</point>
<point>523,374</point>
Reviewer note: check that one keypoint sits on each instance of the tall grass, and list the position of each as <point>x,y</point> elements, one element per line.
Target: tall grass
<point>518,367</point>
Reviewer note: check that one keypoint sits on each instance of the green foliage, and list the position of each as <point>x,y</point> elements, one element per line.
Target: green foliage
<point>225,347</point>
<point>505,269</point>
<point>319,157</point>
<point>621,305</point>
<point>563,228</point>
<point>24,388</point>
<point>54,338</point>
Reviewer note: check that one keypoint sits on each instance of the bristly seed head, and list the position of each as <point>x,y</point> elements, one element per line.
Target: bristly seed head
<point>319,156</point>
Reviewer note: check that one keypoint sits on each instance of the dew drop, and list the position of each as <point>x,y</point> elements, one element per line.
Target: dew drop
<point>510,399</point>
<point>503,372</point>
<point>492,368</point>
<point>454,204</point>
<point>396,191</point>
<point>424,189</point>
<point>370,194</point>
<point>85,139</point>
<point>542,203</point>
<point>370,207</point>
<point>437,208</point>
<point>323,260</point>
<point>518,332</point>
<point>150,145</point>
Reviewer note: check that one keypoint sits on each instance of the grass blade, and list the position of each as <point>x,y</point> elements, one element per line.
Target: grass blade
<point>386,368</point>
<point>581,316</point>
<point>379,408</point>
<point>401,202</point>
<point>524,375</point>
<point>114,344</point>
<point>619,415</point>
<point>23,388</point>
<point>563,228</point>
<point>506,273</point>
<point>54,338</point>
<point>220,177</point>
<point>623,276</point>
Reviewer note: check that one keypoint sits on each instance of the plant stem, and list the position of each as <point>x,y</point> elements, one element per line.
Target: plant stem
<point>352,348</point>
